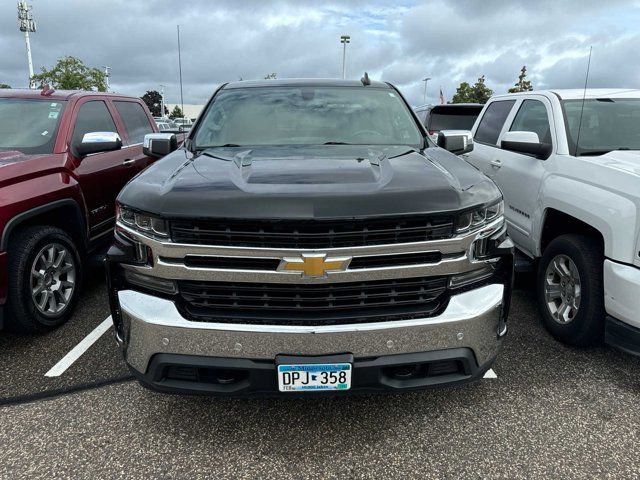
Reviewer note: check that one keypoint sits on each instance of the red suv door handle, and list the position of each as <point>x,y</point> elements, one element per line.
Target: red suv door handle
<point>129,162</point>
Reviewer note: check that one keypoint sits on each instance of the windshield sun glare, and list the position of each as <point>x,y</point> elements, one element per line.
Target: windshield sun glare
<point>307,116</point>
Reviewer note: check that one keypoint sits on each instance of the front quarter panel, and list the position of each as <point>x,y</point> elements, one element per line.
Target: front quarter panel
<point>613,215</point>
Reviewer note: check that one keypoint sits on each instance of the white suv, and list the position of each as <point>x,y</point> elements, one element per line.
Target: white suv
<point>568,164</point>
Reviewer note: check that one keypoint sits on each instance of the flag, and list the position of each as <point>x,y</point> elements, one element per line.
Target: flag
<point>442,102</point>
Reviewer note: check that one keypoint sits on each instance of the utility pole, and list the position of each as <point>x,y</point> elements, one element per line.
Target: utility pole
<point>344,39</point>
<point>162,100</point>
<point>26,25</point>
<point>180,67</point>
<point>107,69</point>
<point>425,80</point>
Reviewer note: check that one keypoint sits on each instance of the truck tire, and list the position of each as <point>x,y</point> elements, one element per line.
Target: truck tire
<point>570,290</point>
<point>45,274</point>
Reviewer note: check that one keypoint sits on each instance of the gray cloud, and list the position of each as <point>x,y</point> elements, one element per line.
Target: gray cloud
<point>450,41</point>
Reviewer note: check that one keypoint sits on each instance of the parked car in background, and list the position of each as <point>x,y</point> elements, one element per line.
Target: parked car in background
<point>455,116</point>
<point>183,121</point>
<point>568,164</point>
<point>164,126</point>
<point>308,237</point>
<point>184,124</point>
<point>64,156</point>
<point>168,123</point>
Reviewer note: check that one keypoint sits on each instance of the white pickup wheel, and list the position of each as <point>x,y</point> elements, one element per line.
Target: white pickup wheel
<point>570,290</point>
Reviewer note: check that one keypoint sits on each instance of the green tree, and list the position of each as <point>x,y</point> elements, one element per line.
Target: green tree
<point>176,112</point>
<point>463,93</point>
<point>481,93</point>
<point>71,73</point>
<point>4,85</point>
<point>476,93</point>
<point>153,100</point>
<point>523,85</point>
<point>271,76</point>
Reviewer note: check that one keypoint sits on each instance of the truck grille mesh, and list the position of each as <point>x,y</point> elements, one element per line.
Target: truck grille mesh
<point>320,304</point>
<point>312,233</point>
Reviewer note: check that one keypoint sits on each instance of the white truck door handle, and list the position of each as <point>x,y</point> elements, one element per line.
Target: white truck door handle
<point>496,163</point>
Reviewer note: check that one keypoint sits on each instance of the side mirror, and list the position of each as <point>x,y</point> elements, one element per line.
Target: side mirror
<point>457,142</point>
<point>527,143</point>
<point>96,142</point>
<point>159,144</point>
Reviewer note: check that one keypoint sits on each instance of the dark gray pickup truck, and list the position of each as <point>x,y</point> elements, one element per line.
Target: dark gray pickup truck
<point>309,237</point>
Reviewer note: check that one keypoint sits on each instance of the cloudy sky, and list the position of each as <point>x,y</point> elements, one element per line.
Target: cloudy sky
<point>399,41</point>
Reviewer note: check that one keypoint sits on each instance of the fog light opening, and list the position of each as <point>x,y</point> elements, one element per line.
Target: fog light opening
<point>471,277</point>
<point>153,283</point>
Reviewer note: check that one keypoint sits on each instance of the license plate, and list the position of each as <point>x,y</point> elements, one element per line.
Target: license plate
<point>314,377</point>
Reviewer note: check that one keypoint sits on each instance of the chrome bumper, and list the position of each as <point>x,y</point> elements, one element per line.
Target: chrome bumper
<point>153,325</point>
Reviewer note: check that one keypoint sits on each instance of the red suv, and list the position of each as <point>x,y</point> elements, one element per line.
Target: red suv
<point>64,156</point>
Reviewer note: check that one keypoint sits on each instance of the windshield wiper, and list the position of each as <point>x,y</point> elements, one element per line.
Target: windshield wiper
<point>336,143</point>
<point>207,147</point>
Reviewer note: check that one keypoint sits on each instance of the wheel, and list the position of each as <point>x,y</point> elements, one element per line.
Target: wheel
<point>570,290</point>
<point>45,273</point>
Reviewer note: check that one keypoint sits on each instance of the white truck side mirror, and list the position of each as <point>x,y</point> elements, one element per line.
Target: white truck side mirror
<point>527,143</point>
<point>457,142</point>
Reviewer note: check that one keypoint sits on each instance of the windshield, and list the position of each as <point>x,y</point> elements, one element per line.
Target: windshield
<point>307,116</point>
<point>29,126</point>
<point>607,124</point>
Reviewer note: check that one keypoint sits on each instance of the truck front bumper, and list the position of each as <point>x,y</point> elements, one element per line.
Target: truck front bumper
<point>622,303</point>
<point>622,292</point>
<point>167,352</point>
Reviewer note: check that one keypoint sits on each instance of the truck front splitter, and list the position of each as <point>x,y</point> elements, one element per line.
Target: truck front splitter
<point>200,375</point>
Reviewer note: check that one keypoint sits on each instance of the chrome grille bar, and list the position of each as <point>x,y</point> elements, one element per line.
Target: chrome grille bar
<point>169,259</point>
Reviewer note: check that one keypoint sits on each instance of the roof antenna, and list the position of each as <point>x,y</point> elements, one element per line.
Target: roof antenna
<point>584,95</point>
<point>365,80</point>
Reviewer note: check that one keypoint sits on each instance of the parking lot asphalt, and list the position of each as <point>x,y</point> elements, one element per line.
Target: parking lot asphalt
<point>552,411</point>
<point>26,359</point>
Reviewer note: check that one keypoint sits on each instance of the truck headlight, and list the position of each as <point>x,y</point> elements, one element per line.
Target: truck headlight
<point>475,219</point>
<point>142,222</point>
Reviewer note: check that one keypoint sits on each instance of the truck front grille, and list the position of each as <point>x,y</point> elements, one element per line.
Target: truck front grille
<point>312,233</point>
<point>305,304</point>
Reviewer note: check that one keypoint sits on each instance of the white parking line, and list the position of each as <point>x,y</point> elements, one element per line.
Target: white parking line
<point>490,374</point>
<point>77,351</point>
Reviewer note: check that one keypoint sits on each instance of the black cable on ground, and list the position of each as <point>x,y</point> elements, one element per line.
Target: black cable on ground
<point>49,394</point>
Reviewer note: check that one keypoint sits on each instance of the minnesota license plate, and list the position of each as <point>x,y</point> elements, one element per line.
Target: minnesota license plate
<point>314,377</point>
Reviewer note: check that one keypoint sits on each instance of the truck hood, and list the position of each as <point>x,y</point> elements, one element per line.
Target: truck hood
<point>623,160</point>
<point>307,182</point>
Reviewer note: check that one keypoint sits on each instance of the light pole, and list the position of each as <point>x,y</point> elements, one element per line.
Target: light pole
<point>26,25</point>
<point>180,67</point>
<point>162,101</point>
<point>344,39</point>
<point>425,80</point>
<point>107,69</point>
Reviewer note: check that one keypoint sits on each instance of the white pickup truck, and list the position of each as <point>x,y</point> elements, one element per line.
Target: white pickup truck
<point>568,164</point>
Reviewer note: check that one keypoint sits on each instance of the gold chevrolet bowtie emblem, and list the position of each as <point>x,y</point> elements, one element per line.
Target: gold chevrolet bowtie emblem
<point>314,265</point>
